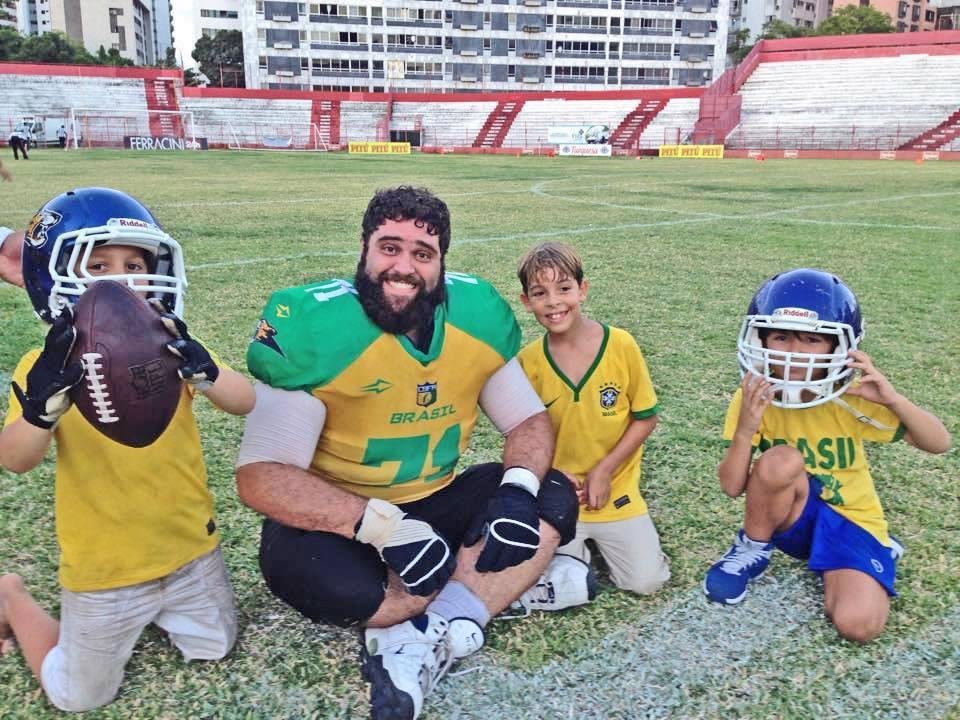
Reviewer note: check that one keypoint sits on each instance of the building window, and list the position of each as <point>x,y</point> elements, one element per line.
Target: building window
<point>228,14</point>
<point>263,62</point>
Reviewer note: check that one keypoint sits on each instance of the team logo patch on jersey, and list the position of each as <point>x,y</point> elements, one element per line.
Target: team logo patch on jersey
<point>39,226</point>
<point>266,335</point>
<point>608,396</point>
<point>283,311</point>
<point>426,394</point>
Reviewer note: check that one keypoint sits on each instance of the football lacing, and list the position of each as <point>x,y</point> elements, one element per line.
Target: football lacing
<point>97,389</point>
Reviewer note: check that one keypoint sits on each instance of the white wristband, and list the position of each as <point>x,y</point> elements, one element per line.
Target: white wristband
<point>5,232</point>
<point>380,519</point>
<point>524,478</point>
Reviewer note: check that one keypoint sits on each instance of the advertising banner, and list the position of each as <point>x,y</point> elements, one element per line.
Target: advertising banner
<point>163,143</point>
<point>379,148</point>
<point>710,152</point>
<point>579,135</point>
<point>586,150</point>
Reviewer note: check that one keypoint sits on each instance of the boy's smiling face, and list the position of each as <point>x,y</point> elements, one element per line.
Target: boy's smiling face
<point>554,299</point>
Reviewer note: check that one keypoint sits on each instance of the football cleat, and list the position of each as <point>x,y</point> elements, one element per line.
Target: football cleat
<point>567,582</point>
<point>403,663</point>
<point>465,637</point>
<point>727,579</point>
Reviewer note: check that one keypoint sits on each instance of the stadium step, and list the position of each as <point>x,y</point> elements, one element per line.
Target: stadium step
<point>628,132</point>
<point>498,124</point>
<point>325,115</point>
<point>161,95</point>
<point>936,137</point>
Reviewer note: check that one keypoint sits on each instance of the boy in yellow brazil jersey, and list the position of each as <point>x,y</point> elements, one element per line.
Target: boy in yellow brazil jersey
<point>594,381</point>
<point>138,543</point>
<point>809,491</point>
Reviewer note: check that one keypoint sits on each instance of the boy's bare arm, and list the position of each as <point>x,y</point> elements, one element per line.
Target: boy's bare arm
<point>23,446</point>
<point>633,437</point>
<point>924,429</point>
<point>734,468</point>
<point>232,392</point>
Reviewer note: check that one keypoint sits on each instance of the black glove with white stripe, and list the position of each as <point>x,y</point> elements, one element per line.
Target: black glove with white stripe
<point>512,529</point>
<point>409,546</point>
<point>49,381</point>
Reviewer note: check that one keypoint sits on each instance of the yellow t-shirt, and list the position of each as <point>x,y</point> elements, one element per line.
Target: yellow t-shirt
<point>591,417</point>
<point>126,515</point>
<point>831,441</point>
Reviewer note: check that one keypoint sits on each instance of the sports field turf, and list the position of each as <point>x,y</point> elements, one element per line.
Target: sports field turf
<point>673,252</point>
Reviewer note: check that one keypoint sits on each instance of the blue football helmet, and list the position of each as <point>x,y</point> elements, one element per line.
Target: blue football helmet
<point>802,300</point>
<point>67,228</point>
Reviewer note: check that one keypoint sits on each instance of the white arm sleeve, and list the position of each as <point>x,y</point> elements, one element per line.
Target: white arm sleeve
<point>508,398</point>
<point>284,427</point>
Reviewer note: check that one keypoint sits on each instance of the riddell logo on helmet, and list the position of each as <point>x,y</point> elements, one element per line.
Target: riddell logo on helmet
<point>794,314</point>
<point>129,222</point>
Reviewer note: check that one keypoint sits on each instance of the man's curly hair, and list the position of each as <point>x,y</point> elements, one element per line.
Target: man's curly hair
<point>408,203</point>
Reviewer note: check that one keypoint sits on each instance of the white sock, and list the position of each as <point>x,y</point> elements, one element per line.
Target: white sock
<point>456,600</point>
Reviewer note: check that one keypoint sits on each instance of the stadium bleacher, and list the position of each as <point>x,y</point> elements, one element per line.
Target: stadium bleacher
<point>871,103</point>
<point>868,93</point>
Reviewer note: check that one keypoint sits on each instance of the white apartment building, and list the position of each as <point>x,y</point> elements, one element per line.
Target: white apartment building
<point>138,29</point>
<point>474,45</point>
<point>192,19</point>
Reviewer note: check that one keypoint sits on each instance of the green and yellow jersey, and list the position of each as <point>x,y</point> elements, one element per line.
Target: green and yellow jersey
<point>126,515</point>
<point>592,416</point>
<point>397,419</point>
<point>831,441</point>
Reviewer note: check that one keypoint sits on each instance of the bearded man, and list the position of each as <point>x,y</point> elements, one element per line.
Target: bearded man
<point>367,395</point>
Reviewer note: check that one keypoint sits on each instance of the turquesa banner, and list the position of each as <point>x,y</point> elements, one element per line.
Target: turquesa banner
<point>711,152</point>
<point>586,150</point>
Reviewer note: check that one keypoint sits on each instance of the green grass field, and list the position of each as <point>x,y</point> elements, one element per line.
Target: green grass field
<point>673,251</point>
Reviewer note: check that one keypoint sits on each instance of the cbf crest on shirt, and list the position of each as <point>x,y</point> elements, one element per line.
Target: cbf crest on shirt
<point>398,418</point>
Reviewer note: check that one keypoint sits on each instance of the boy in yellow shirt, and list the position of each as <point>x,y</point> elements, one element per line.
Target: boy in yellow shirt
<point>135,526</point>
<point>594,382</point>
<point>810,492</point>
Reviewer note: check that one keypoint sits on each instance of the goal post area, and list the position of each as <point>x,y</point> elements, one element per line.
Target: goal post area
<point>140,128</point>
<point>255,135</point>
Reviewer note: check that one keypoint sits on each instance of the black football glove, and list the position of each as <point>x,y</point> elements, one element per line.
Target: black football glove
<point>49,381</point>
<point>198,368</point>
<point>512,529</point>
<point>409,546</point>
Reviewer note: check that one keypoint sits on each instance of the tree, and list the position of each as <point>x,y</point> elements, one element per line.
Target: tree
<point>739,45</point>
<point>10,42</point>
<point>855,20</point>
<point>778,29</point>
<point>53,47</point>
<point>221,58</point>
<point>112,57</point>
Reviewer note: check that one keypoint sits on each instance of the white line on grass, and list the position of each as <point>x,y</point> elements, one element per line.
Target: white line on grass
<point>695,659</point>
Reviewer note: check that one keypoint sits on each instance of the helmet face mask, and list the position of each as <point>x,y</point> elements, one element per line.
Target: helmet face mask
<point>805,301</point>
<point>67,229</point>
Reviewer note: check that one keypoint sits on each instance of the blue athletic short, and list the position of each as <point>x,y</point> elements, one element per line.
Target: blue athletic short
<point>829,541</point>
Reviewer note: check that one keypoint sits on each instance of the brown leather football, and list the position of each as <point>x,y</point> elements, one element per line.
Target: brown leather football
<point>130,387</point>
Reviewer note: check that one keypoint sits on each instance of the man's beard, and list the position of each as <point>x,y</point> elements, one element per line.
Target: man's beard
<point>416,315</point>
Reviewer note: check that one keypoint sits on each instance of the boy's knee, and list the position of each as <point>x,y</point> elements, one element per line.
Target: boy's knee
<point>857,625</point>
<point>75,696</point>
<point>780,465</point>
<point>641,586</point>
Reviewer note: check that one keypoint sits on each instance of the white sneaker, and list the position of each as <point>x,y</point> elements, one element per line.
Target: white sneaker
<point>403,664</point>
<point>567,581</point>
<point>465,637</point>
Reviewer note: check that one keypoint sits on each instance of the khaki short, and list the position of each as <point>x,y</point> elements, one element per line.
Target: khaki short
<point>631,549</point>
<point>98,630</point>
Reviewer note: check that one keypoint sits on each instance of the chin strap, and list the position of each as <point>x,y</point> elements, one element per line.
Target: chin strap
<point>865,419</point>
